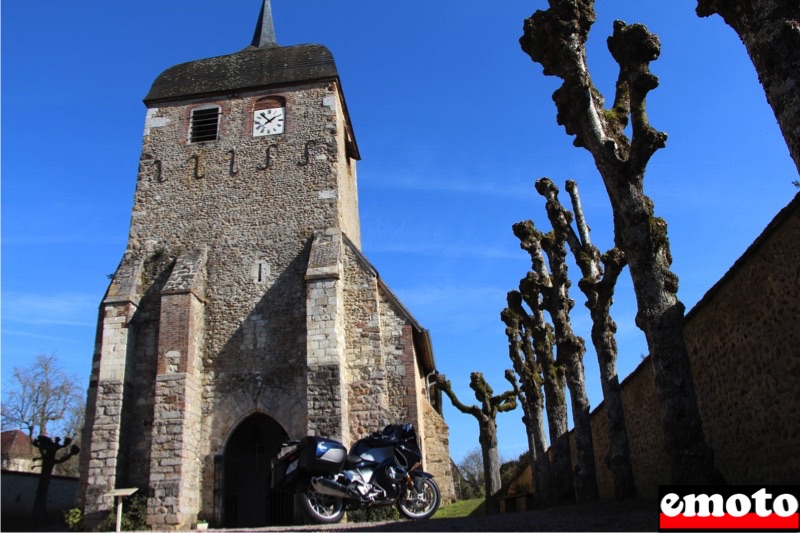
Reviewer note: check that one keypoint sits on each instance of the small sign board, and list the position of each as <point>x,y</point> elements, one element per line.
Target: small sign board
<point>119,494</point>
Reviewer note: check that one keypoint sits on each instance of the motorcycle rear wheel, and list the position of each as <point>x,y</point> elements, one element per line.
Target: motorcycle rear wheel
<point>320,508</point>
<point>421,501</point>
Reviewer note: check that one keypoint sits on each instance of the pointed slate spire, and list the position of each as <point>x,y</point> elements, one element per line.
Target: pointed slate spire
<point>265,29</point>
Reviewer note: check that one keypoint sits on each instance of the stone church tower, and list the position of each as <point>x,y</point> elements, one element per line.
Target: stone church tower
<point>243,312</point>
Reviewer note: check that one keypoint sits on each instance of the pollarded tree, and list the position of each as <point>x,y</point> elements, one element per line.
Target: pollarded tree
<point>600,274</point>
<point>553,289</point>
<point>540,333</point>
<point>531,398</point>
<point>50,455</point>
<point>40,398</point>
<point>556,38</point>
<point>770,30</point>
<point>486,415</point>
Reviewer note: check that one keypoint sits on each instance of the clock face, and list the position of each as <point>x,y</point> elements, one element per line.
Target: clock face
<point>268,121</point>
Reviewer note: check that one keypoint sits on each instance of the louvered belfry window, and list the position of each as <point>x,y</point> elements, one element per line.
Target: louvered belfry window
<point>205,125</point>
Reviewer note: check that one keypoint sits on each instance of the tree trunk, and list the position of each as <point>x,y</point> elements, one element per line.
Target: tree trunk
<point>491,465</point>
<point>540,463</point>
<point>770,30</point>
<point>532,401</point>
<point>619,453</point>
<point>486,415</point>
<point>598,285</point>
<point>39,511</point>
<point>554,384</point>
<point>570,350</point>
<point>48,453</point>
<point>585,474</point>
<point>539,460</point>
<point>660,315</point>
<point>556,38</point>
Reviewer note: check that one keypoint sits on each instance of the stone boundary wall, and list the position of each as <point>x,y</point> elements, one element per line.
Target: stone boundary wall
<point>19,491</point>
<point>744,344</point>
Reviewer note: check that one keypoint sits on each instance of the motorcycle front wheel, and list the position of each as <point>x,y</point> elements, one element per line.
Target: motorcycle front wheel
<point>320,508</point>
<point>421,500</point>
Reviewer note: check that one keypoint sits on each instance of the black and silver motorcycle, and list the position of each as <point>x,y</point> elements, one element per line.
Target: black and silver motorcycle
<point>380,470</point>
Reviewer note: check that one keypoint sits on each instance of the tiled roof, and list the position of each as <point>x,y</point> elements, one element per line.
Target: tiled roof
<point>15,443</point>
<point>251,68</point>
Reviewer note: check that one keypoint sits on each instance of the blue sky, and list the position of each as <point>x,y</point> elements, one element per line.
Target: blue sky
<point>454,124</point>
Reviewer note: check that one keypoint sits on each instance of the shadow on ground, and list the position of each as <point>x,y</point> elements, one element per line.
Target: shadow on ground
<point>633,515</point>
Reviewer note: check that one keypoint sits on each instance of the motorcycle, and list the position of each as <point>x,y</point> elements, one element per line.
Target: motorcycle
<point>382,469</point>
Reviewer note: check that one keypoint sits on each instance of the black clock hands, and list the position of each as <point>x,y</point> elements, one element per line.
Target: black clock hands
<point>268,120</point>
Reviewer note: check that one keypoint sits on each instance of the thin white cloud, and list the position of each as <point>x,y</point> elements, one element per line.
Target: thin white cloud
<point>450,297</point>
<point>66,309</point>
<point>32,335</point>
<point>442,250</point>
<point>80,237</point>
<point>424,183</point>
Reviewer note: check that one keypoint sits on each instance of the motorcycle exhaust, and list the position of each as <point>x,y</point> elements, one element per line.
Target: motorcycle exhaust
<point>329,487</point>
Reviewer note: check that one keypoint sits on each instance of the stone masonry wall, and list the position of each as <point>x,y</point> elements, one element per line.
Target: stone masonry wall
<point>349,220</point>
<point>119,414</point>
<point>437,451</point>
<point>99,463</point>
<point>385,383</point>
<point>175,462</point>
<point>743,344</point>
<point>328,408</point>
<point>400,363</point>
<point>364,352</point>
<point>139,403</point>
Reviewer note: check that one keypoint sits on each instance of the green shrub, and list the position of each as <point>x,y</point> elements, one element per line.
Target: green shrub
<point>134,515</point>
<point>74,519</point>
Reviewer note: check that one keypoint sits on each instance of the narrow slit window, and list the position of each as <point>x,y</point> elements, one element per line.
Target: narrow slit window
<point>205,125</point>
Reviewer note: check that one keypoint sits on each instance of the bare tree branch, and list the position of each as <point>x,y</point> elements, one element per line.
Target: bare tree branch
<point>556,39</point>
<point>598,286</point>
<point>570,348</point>
<point>39,395</point>
<point>486,415</point>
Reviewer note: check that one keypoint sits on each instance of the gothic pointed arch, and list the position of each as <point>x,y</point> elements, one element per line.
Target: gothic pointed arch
<point>244,473</point>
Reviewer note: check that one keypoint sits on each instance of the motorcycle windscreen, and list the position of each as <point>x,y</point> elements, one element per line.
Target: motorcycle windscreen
<point>377,455</point>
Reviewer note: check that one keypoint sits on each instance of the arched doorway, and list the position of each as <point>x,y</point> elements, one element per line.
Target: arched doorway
<point>248,499</point>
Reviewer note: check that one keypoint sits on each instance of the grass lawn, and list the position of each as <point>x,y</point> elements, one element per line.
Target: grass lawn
<point>462,508</point>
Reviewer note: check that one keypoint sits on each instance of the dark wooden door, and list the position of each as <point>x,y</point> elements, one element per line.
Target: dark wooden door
<point>248,499</point>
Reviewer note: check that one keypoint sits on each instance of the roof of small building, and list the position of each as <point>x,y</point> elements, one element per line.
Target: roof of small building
<point>252,68</point>
<point>15,443</point>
